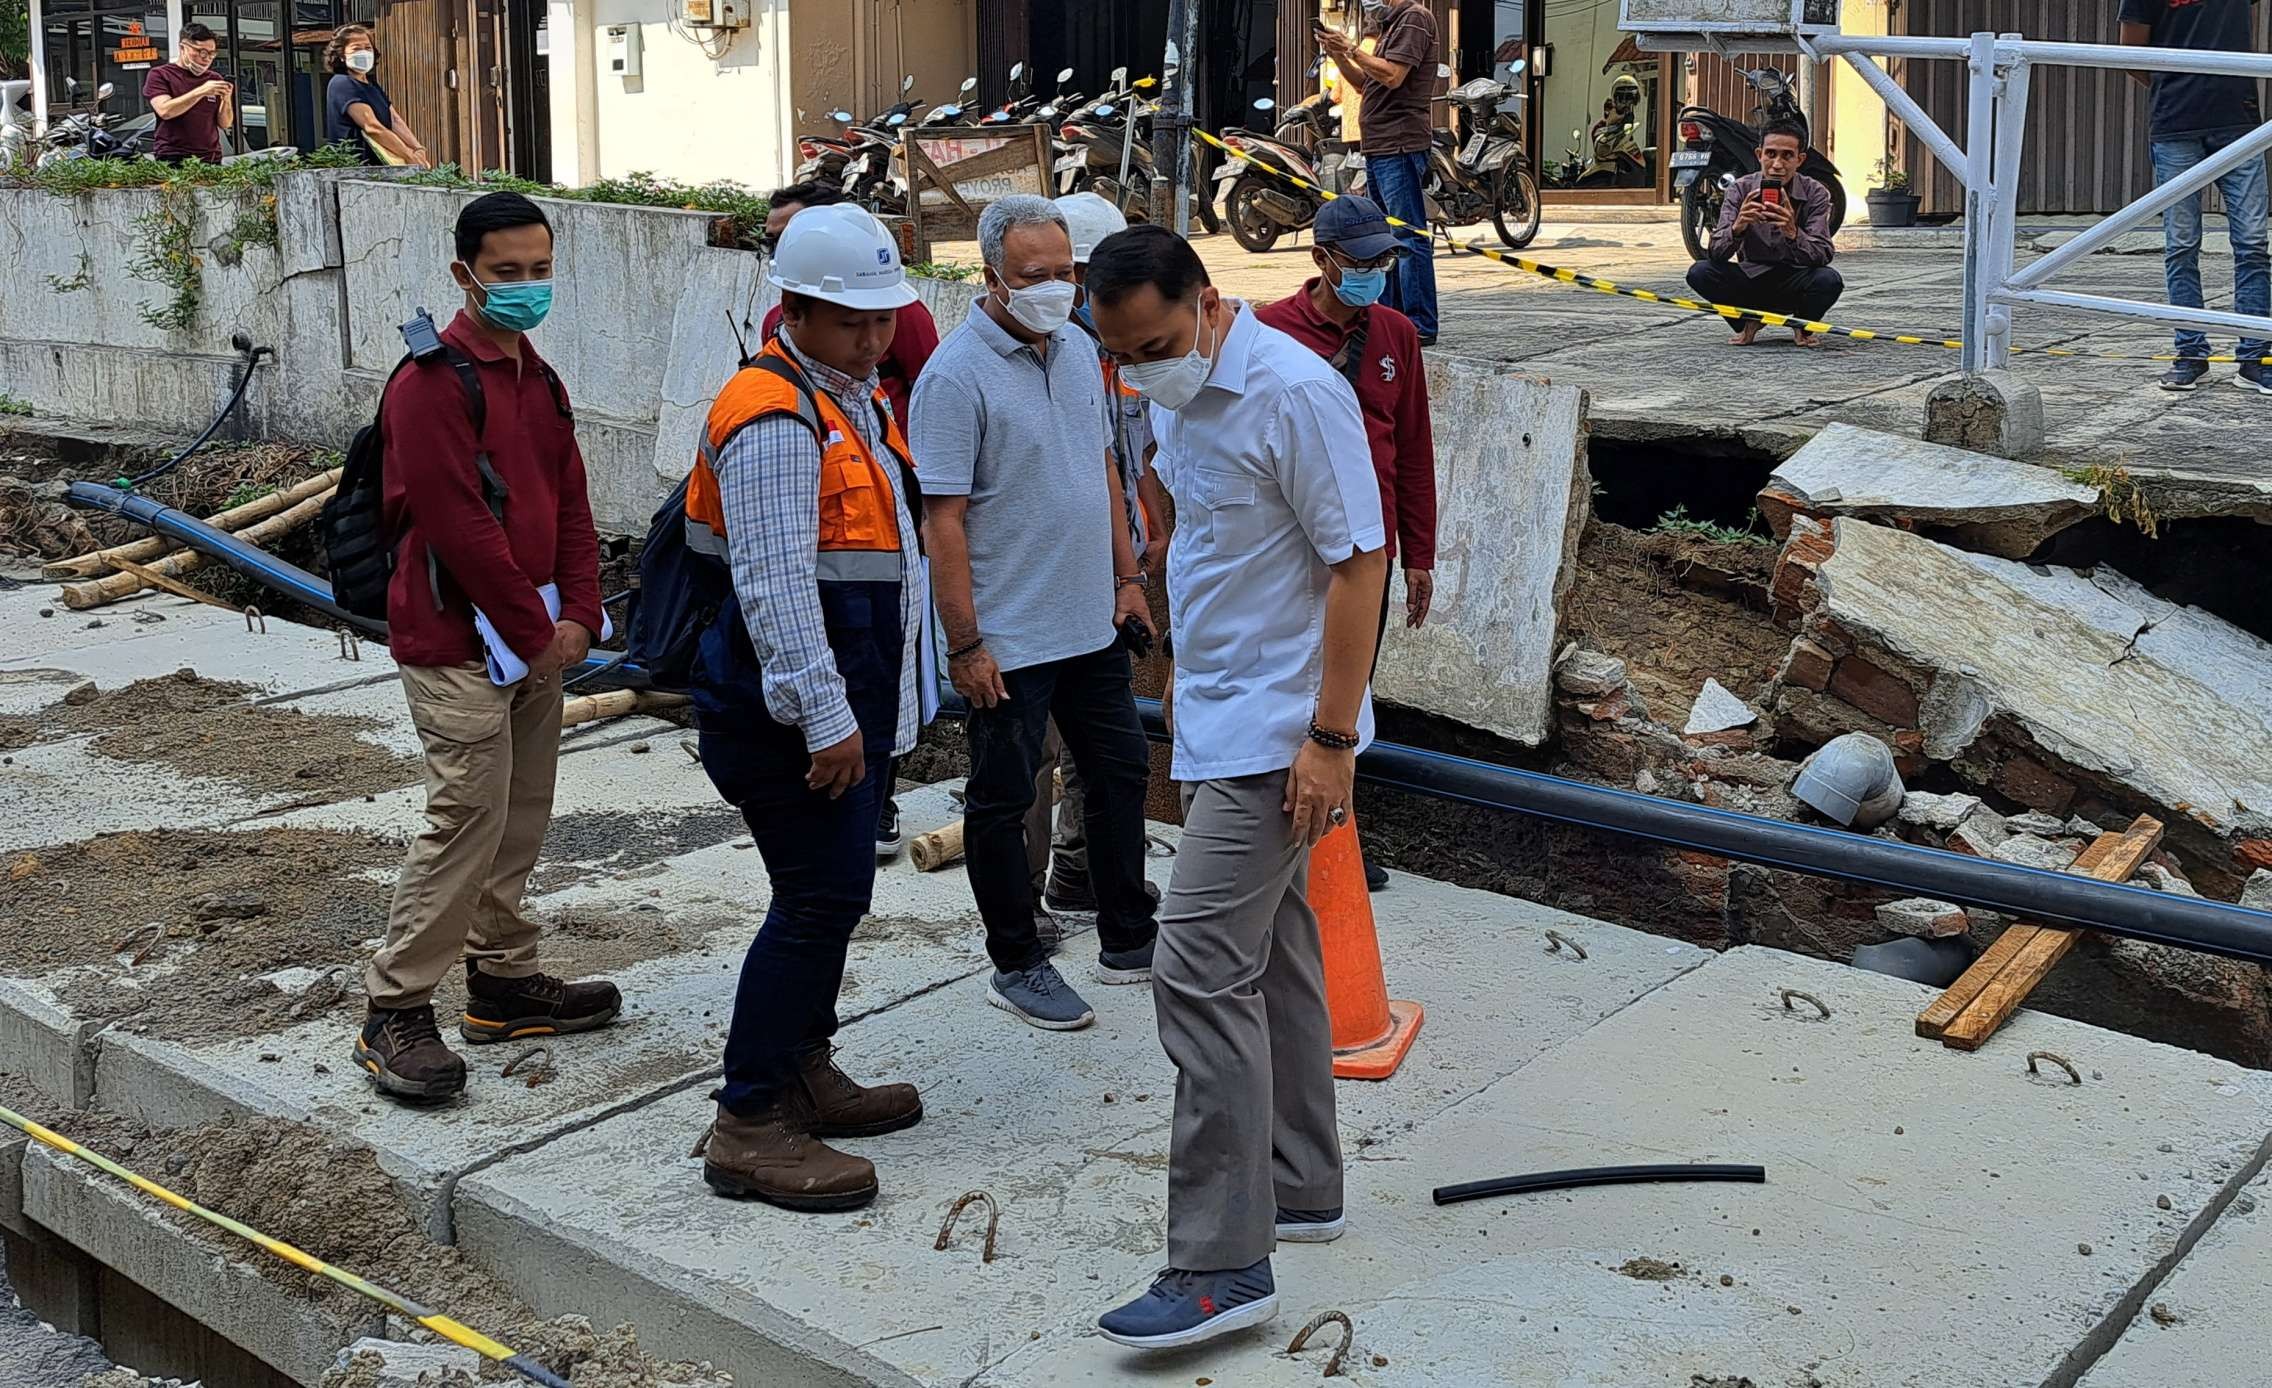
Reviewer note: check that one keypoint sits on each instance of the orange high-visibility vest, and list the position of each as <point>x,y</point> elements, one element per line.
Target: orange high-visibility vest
<point>859,525</point>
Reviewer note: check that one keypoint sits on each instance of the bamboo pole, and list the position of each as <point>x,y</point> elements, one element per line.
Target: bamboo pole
<point>150,547</point>
<point>98,592</point>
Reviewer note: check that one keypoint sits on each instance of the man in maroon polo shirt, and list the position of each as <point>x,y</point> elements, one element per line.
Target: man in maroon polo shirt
<point>1377,350</point>
<point>486,704</point>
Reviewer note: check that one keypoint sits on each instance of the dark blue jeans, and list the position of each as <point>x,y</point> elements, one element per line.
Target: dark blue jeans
<point>821,856</point>
<point>2244,190</point>
<point>1398,182</point>
<point>1095,707</point>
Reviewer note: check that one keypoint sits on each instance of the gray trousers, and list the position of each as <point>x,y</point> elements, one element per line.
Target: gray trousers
<point>1238,983</point>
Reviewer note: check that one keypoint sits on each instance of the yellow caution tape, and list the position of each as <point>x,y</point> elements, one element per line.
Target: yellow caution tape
<point>1581,280</point>
<point>444,1326</point>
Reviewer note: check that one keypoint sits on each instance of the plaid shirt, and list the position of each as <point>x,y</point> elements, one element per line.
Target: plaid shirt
<point>769,482</point>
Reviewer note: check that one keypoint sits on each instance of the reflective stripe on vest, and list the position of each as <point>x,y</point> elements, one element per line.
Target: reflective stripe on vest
<point>858,522</point>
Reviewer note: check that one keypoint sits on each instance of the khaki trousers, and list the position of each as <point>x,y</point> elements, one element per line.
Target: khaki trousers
<point>490,758</point>
<point>1238,985</point>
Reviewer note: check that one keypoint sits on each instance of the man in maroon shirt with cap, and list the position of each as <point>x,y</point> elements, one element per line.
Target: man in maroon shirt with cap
<point>491,525</point>
<point>1377,350</point>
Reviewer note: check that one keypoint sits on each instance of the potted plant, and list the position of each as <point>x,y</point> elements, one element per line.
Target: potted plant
<point>1891,202</point>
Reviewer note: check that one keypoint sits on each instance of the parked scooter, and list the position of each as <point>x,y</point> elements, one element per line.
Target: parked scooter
<point>88,134</point>
<point>1488,176</point>
<point>1717,150</point>
<point>1114,132</point>
<point>1260,207</point>
<point>15,122</point>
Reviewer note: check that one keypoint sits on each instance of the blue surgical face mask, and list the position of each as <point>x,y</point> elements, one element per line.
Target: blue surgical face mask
<point>514,307</point>
<point>1360,288</point>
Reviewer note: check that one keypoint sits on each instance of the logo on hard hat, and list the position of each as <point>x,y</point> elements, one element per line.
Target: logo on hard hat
<point>883,255</point>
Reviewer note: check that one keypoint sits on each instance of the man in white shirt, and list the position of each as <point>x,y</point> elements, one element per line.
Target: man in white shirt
<point>1274,577</point>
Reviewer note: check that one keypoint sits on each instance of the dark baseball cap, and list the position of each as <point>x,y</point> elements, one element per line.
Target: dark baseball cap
<point>1355,227</point>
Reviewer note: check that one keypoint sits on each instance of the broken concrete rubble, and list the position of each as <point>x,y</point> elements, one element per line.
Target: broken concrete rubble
<point>1717,711</point>
<point>2028,700</point>
<point>2256,892</point>
<point>1981,501</point>
<point>1918,915</point>
<point>2026,850</point>
<point>1925,810</point>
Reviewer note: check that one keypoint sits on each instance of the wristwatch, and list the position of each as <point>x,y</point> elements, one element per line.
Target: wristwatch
<point>1140,580</point>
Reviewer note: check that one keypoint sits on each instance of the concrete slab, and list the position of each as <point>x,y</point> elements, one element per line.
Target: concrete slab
<point>1922,1222</point>
<point>663,899</point>
<point>2235,663</point>
<point>1986,503</point>
<point>2211,1322</point>
<point>1511,500</point>
<point>45,1044</point>
<point>1068,1132</point>
<point>13,1145</point>
<point>2023,694</point>
<point>125,1231</point>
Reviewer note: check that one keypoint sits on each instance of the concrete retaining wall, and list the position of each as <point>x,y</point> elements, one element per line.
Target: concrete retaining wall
<point>640,332</point>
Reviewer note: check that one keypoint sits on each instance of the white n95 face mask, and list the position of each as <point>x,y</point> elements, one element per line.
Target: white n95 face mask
<point>1043,307</point>
<point>1176,382</point>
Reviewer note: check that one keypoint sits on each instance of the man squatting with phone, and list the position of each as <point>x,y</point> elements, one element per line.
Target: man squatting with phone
<point>1771,250</point>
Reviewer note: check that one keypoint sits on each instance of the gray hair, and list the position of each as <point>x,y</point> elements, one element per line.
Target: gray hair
<point>1005,215</point>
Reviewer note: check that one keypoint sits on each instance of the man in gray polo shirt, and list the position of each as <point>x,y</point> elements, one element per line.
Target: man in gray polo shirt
<point>1039,587</point>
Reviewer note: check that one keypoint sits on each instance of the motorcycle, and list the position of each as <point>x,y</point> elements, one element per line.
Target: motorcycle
<point>1025,107</point>
<point>1716,150</point>
<point>1260,207</point>
<point>1113,132</point>
<point>1488,175</point>
<point>15,121</point>
<point>88,135</point>
<point>826,155</point>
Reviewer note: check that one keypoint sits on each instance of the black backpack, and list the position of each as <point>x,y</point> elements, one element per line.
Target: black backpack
<point>681,590</point>
<point>357,544</point>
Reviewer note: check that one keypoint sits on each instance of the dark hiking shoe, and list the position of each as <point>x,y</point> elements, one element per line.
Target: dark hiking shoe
<point>890,838</point>
<point>1184,1308</point>
<point>506,1009</point>
<point>773,1157</point>
<point>2253,377</point>
<point>1040,997</point>
<point>1126,965</point>
<point>1311,1226</point>
<point>2184,374</point>
<point>401,1050</point>
<point>1069,890</point>
<point>842,1107</point>
<point>1376,876</point>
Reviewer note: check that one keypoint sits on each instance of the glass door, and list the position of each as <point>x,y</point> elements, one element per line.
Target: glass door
<point>1603,108</point>
<point>263,110</point>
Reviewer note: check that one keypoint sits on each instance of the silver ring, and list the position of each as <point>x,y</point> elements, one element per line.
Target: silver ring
<point>1337,816</point>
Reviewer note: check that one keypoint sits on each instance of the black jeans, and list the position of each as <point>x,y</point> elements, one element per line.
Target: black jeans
<point>1094,702</point>
<point>821,857</point>
<point>1803,291</point>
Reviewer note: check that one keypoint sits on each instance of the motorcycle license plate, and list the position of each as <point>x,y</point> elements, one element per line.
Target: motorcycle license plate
<point>1691,158</point>
<point>1071,162</point>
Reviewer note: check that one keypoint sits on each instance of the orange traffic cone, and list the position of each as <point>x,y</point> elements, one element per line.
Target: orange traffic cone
<point>1370,1033</point>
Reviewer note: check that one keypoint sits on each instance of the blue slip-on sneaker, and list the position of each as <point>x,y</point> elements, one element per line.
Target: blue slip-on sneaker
<point>1185,1308</point>
<point>2184,373</point>
<point>1311,1226</point>
<point>1040,997</point>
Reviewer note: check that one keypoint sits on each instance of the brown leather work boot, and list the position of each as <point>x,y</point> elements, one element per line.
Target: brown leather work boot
<point>842,1107</point>
<point>774,1157</point>
<point>402,1052</point>
<point>506,1009</point>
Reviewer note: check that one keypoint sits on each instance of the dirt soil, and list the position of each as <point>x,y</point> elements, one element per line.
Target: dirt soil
<point>32,525</point>
<point>568,1346</point>
<point>1650,1270</point>
<point>229,907</point>
<point>1677,610</point>
<point>208,728</point>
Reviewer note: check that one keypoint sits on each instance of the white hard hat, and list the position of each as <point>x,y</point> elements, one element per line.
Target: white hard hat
<point>843,255</point>
<point>1090,217</point>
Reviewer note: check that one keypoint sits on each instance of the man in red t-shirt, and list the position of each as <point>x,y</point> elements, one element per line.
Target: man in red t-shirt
<point>192,105</point>
<point>916,336</point>
<point>1377,350</point>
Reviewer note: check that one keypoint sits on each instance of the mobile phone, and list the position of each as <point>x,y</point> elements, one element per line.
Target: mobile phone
<point>1770,193</point>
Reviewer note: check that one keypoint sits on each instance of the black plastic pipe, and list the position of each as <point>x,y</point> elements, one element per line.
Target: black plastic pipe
<point>2048,898</point>
<point>2051,898</point>
<point>1596,1176</point>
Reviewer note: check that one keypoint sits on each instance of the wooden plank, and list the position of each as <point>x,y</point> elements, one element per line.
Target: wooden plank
<point>2113,858</point>
<point>1994,960</point>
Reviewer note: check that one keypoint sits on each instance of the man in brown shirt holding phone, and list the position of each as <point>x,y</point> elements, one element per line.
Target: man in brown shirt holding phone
<point>1772,249</point>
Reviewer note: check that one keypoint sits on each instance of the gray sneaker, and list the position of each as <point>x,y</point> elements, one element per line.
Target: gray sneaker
<point>1125,965</point>
<point>1039,997</point>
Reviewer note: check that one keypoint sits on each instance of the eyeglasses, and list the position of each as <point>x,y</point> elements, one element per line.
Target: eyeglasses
<point>1379,262</point>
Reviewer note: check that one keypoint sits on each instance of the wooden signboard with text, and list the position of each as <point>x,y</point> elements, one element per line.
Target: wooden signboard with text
<point>954,171</point>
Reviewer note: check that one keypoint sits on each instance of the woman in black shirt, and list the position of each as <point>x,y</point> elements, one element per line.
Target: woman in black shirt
<point>356,109</point>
